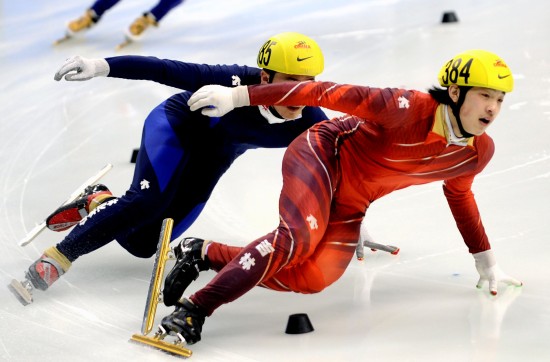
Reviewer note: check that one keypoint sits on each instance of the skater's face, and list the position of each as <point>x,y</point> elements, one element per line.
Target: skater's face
<point>480,108</point>
<point>287,112</point>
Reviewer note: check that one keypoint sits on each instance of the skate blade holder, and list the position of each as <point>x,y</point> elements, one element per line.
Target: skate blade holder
<point>164,253</point>
<point>157,341</point>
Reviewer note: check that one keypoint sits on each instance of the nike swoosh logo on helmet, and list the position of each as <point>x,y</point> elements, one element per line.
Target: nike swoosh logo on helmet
<point>503,76</point>
<point>302,59</point>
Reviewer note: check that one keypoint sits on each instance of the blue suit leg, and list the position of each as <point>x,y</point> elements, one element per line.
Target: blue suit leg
<point>101,6</point>
<point>134,219</point>
<point>164,7</point>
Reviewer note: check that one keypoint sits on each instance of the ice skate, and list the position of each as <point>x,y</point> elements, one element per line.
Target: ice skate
<point>154,297</point>
<point>31,235</point>
<point>41,275</point>
<point>79,25</point>
<point>186,321</point>
<point>136,29</point>
<point>190,261</point>
<point>68,215</point>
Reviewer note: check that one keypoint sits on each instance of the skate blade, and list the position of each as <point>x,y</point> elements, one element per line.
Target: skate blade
<point>153,295</point>
<point>173,348</point>
<point>33,233</point>
<point>124,44</point>
<point>22,294</point>
<point>63,40</point>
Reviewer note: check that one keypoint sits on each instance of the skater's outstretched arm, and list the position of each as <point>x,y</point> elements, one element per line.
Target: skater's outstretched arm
<point>174,73</point>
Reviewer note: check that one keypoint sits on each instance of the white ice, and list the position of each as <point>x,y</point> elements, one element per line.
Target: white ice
<point>421,305</point>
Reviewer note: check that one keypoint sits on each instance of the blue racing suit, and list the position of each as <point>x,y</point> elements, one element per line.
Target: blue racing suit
<point>182,155</point>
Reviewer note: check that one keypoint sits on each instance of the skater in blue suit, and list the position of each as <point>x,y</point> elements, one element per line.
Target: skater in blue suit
<point>182,155</point>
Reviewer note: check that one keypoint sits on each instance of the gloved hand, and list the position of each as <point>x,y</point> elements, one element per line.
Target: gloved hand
<point>489,271</point>
<point>79,68</point>
<point>359,251</point>
<point>217,100</point>
<point>366,241</point>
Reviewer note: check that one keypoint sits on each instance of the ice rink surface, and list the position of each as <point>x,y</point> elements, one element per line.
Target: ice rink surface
<point>421,305</point>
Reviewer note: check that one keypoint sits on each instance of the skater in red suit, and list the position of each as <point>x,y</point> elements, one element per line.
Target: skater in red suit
<point>389,140</point>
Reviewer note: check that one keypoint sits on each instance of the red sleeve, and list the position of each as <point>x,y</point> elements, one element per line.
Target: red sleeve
<point>460,198</point>
<point>365,102</point>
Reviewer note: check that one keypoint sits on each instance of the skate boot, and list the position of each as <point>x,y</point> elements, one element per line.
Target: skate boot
<point>136,29</point>
<point>41,274</point>
<point>186,320</point>
<point>85,22</point>
<point>141,24</point>
<point>190,260</point>
<point>48,268</point>
<point>69,215</point>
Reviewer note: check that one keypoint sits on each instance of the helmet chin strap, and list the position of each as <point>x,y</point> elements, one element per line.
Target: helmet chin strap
<point>455,108</point>
<point>269,81</point>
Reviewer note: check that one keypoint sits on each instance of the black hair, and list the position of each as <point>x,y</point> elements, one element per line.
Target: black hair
<point>271,74</point>
<point>441,95</point>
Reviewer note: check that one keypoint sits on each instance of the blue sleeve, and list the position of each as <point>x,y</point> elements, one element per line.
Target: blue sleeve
<point>181,75</point>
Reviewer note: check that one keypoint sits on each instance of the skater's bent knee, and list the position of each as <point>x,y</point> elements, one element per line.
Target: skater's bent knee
<point>145,249</point>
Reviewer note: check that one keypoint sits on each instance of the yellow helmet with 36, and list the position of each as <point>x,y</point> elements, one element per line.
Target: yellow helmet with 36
<point>477,68</point>
<point>291,53</point>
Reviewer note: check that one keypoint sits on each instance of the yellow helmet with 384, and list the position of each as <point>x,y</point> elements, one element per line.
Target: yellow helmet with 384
<point>477,68</point>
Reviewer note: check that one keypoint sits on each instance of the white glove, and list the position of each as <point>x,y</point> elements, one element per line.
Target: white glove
<point>217,100</point>
<point>488,270</point>
<point>82,68</point>
<point>366,241</point>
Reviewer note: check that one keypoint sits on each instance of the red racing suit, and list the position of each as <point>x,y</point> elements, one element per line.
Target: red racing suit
<point>390,139</point>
